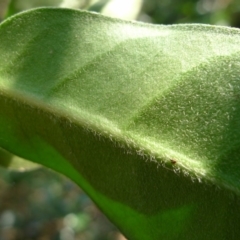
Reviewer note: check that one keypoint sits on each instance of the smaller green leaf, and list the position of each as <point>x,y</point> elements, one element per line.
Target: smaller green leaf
<point>12,162</point>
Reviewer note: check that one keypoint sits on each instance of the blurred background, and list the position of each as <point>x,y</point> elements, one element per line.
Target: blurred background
<point>39,204</point>
<point>219,12</point>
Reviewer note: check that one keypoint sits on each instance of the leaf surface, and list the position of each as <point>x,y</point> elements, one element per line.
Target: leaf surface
<point>144,118</point>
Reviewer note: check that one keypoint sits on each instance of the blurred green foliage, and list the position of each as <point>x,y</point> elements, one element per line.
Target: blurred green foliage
<point>219,12</point>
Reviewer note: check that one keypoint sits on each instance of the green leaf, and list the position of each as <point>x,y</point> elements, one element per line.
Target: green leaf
<point>144,118</point>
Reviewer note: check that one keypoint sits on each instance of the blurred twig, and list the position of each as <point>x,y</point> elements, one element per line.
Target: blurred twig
<point>3,8</point>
